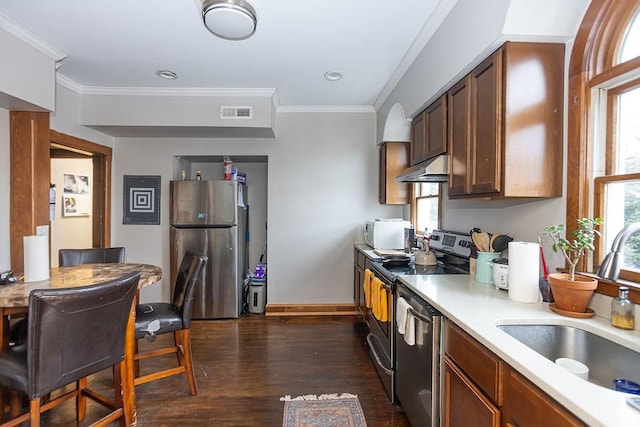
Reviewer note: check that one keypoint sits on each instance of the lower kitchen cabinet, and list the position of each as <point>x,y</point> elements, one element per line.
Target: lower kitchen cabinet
<point>527,405</point>
<point>480,389</point>
<point>360,264</point>
<point>464,401</point>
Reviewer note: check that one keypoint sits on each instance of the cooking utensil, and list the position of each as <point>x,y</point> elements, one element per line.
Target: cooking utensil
<point>501,243</point>
<point>485,241</point>
<point>493,238</point>
<point>477,241</point>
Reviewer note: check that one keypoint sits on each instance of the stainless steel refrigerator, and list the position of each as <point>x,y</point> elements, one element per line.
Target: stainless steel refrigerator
<point>211,218</point>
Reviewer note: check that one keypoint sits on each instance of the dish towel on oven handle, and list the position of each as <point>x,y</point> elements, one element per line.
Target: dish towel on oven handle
<point>406,321</point>
<point>366,286</point>
<point>379,297</point>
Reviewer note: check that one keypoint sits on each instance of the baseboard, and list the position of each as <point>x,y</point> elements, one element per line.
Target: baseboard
<point>311,310</point>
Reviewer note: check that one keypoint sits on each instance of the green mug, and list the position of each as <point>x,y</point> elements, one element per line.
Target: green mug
<point>484,266</point>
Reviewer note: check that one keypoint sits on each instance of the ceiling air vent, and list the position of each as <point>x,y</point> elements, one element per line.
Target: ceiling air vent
<point>236,112</point>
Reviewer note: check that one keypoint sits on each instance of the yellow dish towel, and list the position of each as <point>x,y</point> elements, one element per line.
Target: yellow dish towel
<point>379,297</point>
<point>366,285</point>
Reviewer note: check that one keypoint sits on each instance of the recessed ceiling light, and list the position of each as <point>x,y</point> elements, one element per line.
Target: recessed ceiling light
<point>166,74</point>
<point>333,76</point>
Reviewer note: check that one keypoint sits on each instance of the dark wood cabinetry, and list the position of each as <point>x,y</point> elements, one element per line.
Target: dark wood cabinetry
<point>429,132</point>
<point>479,386</point>
<point>505,123</point>
<point>394,158</point>
<point>472,381</point>
<point>526,405</point>
<point>360,264</point>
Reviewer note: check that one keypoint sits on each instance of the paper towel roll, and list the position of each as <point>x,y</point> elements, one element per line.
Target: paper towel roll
<point>36,258</point>
<point>524,266</point>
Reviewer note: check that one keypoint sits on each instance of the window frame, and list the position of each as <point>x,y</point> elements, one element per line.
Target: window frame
<point>593,62</point>
<point>414,205</point>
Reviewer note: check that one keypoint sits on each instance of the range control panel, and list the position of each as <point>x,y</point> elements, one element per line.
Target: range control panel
<point>451,242</point>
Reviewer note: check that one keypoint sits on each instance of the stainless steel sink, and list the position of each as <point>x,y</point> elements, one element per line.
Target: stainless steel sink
<point>606,359</point>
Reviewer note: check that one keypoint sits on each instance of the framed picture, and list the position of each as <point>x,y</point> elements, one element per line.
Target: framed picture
<point>141,200</point>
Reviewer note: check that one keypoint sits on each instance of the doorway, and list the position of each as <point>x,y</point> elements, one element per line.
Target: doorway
<point>97,158</point>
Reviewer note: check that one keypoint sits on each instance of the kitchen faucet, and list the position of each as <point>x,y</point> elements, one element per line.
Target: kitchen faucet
<point>610,267</point>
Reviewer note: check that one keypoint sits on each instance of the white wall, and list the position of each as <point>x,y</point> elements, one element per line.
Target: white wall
<point>67,115</point>
<point>5,245</point>
<point>70,231</point>
<point>322,185</point>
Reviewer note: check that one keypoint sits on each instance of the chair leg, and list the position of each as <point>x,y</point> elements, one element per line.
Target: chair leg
<point>34,411</point>
<point>183,342</point>
<point>81,400</point>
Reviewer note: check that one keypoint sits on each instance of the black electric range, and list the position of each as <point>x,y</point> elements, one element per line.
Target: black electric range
<point>452,250</point>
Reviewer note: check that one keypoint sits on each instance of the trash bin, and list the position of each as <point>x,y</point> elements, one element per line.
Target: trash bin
<point>257,295</point>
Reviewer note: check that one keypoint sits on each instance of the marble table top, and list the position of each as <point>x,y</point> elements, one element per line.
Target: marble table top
<point>17,294</point>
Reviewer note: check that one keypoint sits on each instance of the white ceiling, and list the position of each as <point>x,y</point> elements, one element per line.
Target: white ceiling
<point>122,43</point>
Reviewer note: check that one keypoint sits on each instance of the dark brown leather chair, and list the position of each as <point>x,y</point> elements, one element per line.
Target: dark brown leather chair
<point>161,318</point>
<point>67,257</point>
<point>74,332</point>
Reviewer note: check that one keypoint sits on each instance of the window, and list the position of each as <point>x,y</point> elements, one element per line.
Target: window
<point>426,206</point>
<point>603,177</point>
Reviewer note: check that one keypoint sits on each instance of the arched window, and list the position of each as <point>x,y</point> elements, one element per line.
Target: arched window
<point>603,177</point>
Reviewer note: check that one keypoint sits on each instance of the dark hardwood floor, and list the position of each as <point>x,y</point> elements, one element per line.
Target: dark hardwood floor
<point>244,366</point>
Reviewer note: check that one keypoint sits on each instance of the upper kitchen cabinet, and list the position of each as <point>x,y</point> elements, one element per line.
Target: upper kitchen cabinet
<point>505,124</point>
<point>429,132</point>
<point>394,158</point>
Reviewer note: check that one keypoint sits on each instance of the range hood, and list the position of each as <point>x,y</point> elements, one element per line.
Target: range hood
<point>432,170</point>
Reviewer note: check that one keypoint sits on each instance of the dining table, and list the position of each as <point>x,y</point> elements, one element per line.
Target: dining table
<point>14,301</point>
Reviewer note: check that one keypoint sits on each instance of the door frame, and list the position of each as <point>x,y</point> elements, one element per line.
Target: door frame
<point>102,158</point>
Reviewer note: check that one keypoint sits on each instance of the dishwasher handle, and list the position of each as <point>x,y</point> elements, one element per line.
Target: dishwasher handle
<point>420,316</point>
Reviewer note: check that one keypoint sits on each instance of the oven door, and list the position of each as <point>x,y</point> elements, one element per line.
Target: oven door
<point>381,341</point>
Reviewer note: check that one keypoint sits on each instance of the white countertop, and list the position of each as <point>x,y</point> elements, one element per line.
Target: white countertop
<point>478,308</point>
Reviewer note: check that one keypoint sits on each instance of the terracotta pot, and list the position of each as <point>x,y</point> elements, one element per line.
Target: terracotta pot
<point>572,295</point>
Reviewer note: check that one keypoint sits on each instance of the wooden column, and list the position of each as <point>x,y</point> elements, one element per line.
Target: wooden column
<point>30,176</point>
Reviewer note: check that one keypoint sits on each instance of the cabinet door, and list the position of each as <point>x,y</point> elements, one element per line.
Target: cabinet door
<point>486,121</point>
<point>458,136</point>
<point>435,117</point>
<point>464,404</point>
<point>418,139</point>
<point>394,158</point>
<point>526,405</point>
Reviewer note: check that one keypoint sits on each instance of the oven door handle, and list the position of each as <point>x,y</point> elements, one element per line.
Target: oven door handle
<point>420,316</point>
<point>372,347</point>
<point>387,286</point>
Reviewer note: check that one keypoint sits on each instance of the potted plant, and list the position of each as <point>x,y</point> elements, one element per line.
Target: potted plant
<point>572,293</point>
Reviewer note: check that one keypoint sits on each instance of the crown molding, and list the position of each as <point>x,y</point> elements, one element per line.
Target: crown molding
<point>17,30</point>
<point>157,91</point>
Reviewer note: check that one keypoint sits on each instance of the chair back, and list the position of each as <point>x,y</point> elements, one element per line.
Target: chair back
<point>184,290</point>
<point>74,332</point>
<point>68,257</point>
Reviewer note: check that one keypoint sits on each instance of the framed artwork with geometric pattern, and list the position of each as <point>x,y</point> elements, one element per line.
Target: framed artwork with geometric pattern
<point>141,200</point>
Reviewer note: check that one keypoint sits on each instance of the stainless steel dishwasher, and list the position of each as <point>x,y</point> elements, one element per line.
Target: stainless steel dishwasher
<point>418,366</point>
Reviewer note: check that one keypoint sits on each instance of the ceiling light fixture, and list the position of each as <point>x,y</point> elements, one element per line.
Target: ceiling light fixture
<point>166,74</point>
<point>333,76</point>
<point>229,19</point>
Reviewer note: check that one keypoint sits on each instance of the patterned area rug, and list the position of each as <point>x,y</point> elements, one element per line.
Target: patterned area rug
<point>326,410</point>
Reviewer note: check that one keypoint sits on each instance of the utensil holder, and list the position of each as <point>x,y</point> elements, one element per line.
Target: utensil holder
<point>484,272</point>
